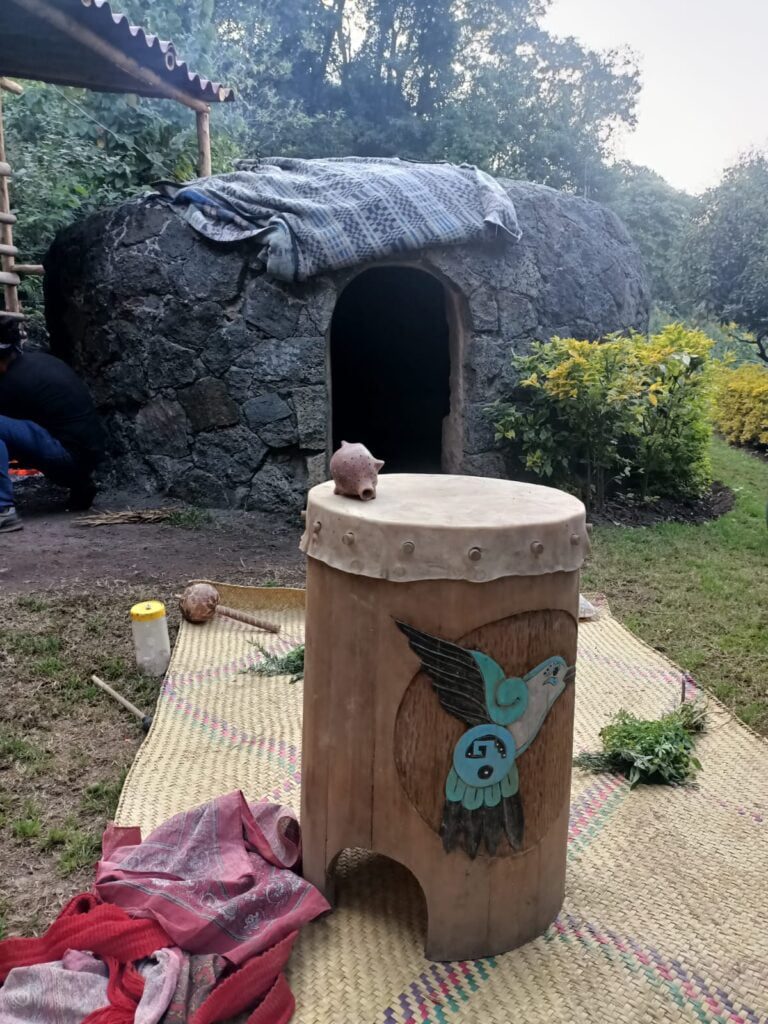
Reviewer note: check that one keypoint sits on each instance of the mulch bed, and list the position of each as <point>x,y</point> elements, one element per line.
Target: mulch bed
<point>630,511</point>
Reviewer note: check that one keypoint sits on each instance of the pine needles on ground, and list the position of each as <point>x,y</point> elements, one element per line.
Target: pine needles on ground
<point>656,750</point>
<point>289,664</point>
<point>130,515</point>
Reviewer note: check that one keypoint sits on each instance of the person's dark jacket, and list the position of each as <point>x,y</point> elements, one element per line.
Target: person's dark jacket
<point>41,388</point>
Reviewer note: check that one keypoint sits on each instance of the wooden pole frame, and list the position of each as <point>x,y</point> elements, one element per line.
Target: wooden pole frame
<point>203,143</point>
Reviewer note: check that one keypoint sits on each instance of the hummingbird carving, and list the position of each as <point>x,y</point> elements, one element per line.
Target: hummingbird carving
<point>504,715</point>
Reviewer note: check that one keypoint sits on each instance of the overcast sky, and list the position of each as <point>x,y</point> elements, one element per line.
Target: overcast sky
<point>704,67</point>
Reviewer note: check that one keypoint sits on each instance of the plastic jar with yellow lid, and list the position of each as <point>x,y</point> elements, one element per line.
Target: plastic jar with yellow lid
<point>150,637</point>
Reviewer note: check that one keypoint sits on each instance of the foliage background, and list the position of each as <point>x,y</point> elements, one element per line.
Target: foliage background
<point>461,80</point>
<point>628,414</point>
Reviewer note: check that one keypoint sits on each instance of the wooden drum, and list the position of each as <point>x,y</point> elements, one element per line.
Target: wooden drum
<point>442,621</point>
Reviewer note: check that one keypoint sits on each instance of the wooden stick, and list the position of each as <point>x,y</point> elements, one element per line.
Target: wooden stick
<point>9,279</point>
<point>118,697</point>
<point>33,269</point>
<point>84,36</point>
<point>204,143</point>
<point>5,169</point>
<point>8,250</point>
<point>10,86</point>
<point>247,618</point>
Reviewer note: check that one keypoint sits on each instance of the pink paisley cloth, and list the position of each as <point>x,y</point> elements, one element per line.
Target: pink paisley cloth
<point>198,977</point>
<point>217,879</point>
<point>68,990</point>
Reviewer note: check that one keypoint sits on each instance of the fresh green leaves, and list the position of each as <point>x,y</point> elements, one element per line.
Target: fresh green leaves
<point>741,404</point>
<point>654,751</point>
<point>624,414</point>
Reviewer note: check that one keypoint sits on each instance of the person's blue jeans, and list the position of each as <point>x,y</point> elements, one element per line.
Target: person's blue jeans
<point>35,448</point>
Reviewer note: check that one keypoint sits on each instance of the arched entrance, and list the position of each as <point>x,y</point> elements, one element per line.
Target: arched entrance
<point>390,354</point>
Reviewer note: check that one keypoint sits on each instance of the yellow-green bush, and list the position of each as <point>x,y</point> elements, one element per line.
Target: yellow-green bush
<point>741,403</point>
<point>623,414</point>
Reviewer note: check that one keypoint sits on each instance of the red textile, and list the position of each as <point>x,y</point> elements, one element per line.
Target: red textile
<point>261,978</point>
<point>86,923</point>
<point>217,878</point>
<point>124,991</point>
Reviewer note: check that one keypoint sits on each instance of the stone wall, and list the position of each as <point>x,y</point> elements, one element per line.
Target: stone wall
<point>211,377</point>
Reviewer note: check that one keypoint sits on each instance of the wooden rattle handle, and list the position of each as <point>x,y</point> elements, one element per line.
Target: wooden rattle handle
<point>247,618</point>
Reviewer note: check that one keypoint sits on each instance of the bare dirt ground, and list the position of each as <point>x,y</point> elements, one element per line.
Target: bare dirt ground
<point>65,593</point>
<point>54,552</point>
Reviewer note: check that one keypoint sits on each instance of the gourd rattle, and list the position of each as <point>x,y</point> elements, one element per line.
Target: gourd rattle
<point>200,603</point>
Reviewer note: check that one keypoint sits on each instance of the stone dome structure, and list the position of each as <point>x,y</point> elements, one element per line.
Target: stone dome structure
<point>222,386</point>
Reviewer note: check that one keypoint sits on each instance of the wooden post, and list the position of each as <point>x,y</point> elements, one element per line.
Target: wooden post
<point>9,279</point>
<point>204,143</point>
<point>10,86</point>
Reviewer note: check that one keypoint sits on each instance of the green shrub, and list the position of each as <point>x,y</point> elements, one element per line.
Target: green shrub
<point>741,403</point>
<point>628,414</point>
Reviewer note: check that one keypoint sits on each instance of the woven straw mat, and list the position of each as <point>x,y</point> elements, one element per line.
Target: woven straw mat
<point>667,893</point>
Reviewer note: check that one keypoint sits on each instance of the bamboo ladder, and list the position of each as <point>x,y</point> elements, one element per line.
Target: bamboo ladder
<point>11,272</point>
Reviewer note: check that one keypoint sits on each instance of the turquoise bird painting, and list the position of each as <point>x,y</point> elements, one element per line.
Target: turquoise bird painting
<point>504,715</point>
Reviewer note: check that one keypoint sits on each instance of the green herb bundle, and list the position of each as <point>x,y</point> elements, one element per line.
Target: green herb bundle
<point>657,750</point>
<point>289,664</point>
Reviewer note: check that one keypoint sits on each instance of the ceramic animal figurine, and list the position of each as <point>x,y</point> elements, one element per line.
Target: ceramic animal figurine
<point>355,471</point>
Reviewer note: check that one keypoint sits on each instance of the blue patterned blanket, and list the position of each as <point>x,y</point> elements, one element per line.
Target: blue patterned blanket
<point>312,216</point>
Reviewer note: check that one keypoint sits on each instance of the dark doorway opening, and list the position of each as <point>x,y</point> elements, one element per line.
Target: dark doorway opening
<point>390,367</point>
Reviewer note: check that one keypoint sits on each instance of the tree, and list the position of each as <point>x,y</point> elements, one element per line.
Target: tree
<point>724,264</point>
<point>657,216</point>
<point>475,81</point>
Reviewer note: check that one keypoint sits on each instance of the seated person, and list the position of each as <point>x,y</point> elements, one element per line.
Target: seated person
<point>47,421</point>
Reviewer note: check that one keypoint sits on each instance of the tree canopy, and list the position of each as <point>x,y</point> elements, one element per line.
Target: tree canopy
<point>476,81</point>
<point>657,216</point>
<point>724,264</point>
<point>463,80</point>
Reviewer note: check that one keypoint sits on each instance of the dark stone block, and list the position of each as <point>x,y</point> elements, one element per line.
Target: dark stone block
<point>491,464</point>
<point>232,455</point>
<point>200,488</point>
<point>280,486</point>
<point>170,366</point>
<point>162,427</point>
<point>289,362</point>
<point>271,308</point>
<point>148,220</point>
<point>211,274</point>
<point>272,419</point>
<point>480,433</point>
<point>312,409</point>
<point>209,405</point>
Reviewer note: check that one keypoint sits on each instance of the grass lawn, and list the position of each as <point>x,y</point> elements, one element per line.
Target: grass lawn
<point>700,593</point>
<point>64,746</point>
